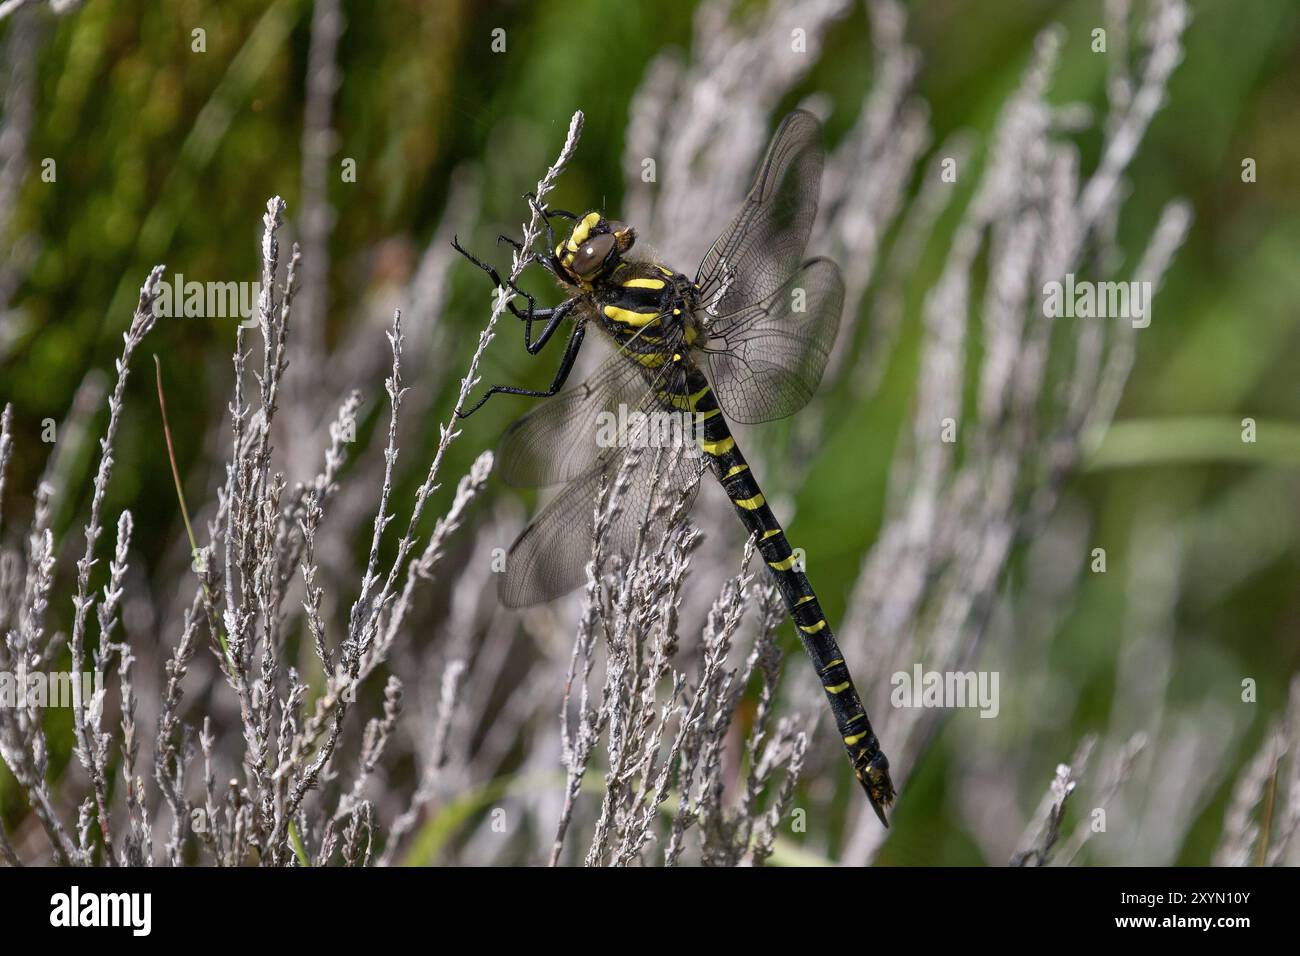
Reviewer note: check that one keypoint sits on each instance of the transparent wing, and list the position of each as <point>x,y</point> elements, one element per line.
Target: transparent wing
<point>766,360</point>
<point>765,243</point>
<point>559,439</point>
<point>550,557</point>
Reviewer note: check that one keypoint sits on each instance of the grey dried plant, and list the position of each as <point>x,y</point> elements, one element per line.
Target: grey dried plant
<point>667,731</point>
<point>261,536</point>
<point>420,723</point>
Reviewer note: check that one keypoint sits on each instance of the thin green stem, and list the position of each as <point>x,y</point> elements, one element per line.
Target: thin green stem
<point>171,457</point>
<point>180,493</point>
<point>1189,440</point>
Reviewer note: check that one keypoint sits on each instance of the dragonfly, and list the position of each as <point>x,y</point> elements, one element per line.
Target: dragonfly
<point>746,339</point>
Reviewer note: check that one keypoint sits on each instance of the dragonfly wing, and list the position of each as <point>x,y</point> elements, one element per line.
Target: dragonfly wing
<point>550,557</point>
<point>766,360</point>
<point>765,242</point>
<point>560,439</point>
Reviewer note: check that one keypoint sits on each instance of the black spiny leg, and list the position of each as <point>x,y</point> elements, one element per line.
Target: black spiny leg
<point>551,317</point>
<point>496,278</point>
<point>561,376</point>
<point>547,262</point>
<point>546,212</point>
<point>546,215</point>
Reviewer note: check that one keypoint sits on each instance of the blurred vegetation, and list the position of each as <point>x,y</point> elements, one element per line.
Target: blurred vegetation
<point>167,155</point>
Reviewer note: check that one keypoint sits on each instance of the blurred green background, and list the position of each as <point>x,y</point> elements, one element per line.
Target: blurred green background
<point>166,155</point>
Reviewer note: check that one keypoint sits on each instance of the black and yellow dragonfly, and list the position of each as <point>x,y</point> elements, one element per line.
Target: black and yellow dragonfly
<point>747,339</point>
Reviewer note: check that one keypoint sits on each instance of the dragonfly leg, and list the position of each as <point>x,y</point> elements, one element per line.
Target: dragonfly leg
<point>546,212</point>
<point>552,318</point>
<point>546,262</point>
<point>561,376</point>
<point>498,281</point>
<point>546,215</point>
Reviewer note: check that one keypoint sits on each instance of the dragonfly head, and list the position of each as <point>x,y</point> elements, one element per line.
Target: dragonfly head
<point>594,248</point>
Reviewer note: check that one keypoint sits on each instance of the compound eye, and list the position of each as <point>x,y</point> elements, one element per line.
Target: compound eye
<point>591,255</point>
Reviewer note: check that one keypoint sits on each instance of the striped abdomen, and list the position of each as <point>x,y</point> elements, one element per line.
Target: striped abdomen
<point>869,763</point>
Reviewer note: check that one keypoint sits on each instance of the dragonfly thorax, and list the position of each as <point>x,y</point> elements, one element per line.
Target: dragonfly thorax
<point>647,308</point>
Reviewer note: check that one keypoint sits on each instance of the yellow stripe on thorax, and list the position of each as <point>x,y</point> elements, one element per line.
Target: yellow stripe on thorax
<point>628,317</point>
<point>643,284</point>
